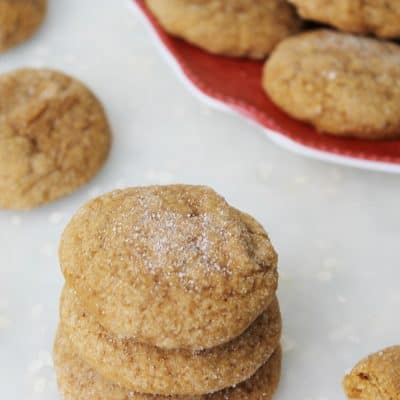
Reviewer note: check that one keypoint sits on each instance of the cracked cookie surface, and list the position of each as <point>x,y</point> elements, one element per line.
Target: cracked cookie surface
<point>170,266</point>
<point>77,380</point>
<point>240,28</point>
<point>377,377</point>
<point>340,83</point>
<point>380,17</point>
<point>147,369</point>
<point>19,19</point>
<point>54,137</point>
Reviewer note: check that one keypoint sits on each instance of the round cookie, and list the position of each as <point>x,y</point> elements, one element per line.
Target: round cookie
<point>54,137</point>
<point>375,377</point>
<point>19,19</point>
<point>147,369</point>
<point>380,17</point>
<point>342,84</point>
<point>77,380</point>
<point>239,28</point>
<point>171,266</point>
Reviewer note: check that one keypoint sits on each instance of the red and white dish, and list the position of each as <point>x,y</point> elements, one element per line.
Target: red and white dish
<point>234,85</point>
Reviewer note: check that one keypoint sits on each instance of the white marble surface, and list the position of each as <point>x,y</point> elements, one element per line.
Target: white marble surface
<point>336,229</point>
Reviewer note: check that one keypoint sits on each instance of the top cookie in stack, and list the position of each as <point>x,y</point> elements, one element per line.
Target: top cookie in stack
<point>174,267</point>
<point>170,291</point>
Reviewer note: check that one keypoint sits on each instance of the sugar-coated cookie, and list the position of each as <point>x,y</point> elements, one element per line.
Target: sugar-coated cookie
<point>377,377</point>
<point>78,381</point>
<point>54,137</point>
<point>171,266</point>
<point>380,17</point>
<point>342,84</point>
<point>19,19</point>
<point>147,369</point>
<point>240,28</point>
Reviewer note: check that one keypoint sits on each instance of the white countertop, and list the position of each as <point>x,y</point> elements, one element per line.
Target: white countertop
<point>336,229</point>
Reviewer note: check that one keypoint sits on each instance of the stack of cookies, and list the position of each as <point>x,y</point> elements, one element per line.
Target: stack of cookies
<point>170,292</point>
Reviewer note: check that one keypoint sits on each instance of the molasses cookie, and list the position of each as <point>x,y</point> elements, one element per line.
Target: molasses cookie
<point>239,28</point>
<point>54,137</point>
<point>342,84</point>
<point>380,17</point>
<point>169,266</point>
<point>19,19</point>
<point>78,381</point>
<point>376,378</point>
<point>147,369</point>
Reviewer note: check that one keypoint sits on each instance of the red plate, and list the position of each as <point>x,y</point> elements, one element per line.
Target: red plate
<point>235,85</point>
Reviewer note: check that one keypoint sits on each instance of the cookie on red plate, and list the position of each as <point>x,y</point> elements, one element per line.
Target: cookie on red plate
<point>342,84</point>
<point>239,28</point>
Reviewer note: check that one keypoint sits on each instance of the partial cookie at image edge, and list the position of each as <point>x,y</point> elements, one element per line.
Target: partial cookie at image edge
<point>375,377</point>
<point>381,17</point>
<point>19,20</point>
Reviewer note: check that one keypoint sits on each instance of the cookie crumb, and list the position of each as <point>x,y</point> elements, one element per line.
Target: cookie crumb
<point>5,322</point>
<point>56,217</point>
<point>324,276</point>
<point>342,299</point>
<point>16,220</point>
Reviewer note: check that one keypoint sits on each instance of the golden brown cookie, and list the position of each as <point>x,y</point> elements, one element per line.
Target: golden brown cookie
<point>380,17</point>
<point>239,28</point>
<point>171,266</point>
<point>77,381</point>
<point>342,84</point>
<point>54,137</point>
<point>19,19</point>
<point>147,369</point>
<point>377,377</point>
